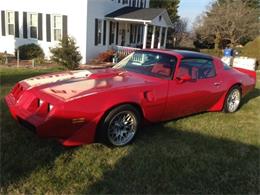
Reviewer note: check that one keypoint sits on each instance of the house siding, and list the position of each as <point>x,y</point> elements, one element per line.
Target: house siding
<point>78,24</point>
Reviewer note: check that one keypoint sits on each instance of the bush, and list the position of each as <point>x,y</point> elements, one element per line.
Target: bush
<point>213,52</point>
<point>30,51</point>
<point>106,56</point>
<point>2,58</point>
<point>66,54</point>
<point>252,49</point>
<point>187,48</point>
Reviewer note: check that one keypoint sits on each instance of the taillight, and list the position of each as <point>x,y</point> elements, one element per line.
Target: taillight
<point>17,91</point>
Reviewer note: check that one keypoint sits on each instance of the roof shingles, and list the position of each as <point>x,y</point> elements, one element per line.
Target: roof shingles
<point>136,13</point>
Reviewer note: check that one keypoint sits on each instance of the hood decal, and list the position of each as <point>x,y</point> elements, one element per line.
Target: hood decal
<point>53,78</point>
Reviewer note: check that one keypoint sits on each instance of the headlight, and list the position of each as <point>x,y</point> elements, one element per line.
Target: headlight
<point>40,102</point>
<point>50,107</point>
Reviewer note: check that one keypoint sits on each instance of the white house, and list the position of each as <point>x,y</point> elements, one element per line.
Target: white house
<point>96,25</point>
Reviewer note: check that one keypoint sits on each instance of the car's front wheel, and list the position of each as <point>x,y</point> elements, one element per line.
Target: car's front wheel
<point>233,100</point>
<point>120,125</point>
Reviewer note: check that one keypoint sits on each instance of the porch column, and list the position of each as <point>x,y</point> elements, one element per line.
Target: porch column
<point>145,35</point>
<point>153,37</point>
<point>165,37</point>
<point>160,38</point>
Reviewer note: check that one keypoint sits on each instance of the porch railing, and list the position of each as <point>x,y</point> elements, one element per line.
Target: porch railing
<point>122,50</point>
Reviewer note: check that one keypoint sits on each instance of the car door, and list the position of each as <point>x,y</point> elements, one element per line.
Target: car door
<point>193,88</point>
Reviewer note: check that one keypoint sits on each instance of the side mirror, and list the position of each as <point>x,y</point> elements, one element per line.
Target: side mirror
<point>184,78</point>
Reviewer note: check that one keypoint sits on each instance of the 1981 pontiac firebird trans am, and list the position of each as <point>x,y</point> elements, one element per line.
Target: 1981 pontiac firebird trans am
<point>79,107</point>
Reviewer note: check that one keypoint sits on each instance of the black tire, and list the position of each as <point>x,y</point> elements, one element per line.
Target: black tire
<point>229,100</point>
<point>105,126</point>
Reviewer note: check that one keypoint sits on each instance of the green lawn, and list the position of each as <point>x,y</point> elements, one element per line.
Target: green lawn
<point>210,153</point>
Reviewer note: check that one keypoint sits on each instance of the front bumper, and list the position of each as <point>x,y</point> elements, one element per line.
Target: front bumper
<point>55,124</point>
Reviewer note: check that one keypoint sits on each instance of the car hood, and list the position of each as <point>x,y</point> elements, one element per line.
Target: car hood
<point>75,84</point>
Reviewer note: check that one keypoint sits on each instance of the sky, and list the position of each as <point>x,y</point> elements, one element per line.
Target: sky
<point>190,9</point>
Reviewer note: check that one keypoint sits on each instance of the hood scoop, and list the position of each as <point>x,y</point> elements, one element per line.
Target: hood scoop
<point>58,91</point>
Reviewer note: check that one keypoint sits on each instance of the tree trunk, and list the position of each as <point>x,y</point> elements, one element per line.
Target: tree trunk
<point>217,40</point>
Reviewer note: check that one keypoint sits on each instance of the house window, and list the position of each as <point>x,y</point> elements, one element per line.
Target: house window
<point>125,2</point>
<point>33,25</point>
<point>98,31</point>
<point>10,22</point>
<point>57,27</point>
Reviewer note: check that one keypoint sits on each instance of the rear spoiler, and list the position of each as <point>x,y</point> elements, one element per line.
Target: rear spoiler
<point>250,73</point>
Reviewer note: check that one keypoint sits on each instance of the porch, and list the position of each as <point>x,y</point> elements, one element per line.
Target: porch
<point>131,28</point>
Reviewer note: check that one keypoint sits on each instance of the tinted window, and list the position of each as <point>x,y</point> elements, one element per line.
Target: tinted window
<point>196,68</point>
<point>149,63</point>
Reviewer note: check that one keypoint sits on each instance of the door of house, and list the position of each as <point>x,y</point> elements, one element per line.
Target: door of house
<point>123,37</point>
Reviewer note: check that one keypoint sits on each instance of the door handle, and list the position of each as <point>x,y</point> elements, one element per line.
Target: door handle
<point>217,83</point>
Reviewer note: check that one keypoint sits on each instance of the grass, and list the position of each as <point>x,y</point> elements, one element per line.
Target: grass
<point>209,153</point>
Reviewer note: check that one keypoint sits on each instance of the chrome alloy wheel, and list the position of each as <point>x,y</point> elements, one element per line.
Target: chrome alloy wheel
<point>122,128</point>
<point>233,100</point>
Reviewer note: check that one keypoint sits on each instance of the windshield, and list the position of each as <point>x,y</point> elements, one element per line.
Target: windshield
<point>149,63</point>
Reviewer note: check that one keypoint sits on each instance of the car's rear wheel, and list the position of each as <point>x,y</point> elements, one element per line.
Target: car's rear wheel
<point>233,100</point>
<point>120,125</point>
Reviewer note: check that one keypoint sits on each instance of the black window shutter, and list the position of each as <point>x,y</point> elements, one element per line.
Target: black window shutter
<point>16,23</point>
<point>39,26</point>
<point>3,22</point>
<point>96,31</point>
<point>110,33</point>
<point>25,25</point>
<point>130,3</point>
<point>64,26</point>
<point>117,29</point>
<point>131,33</point>
<point>104,32</point>
<point>48,27</point>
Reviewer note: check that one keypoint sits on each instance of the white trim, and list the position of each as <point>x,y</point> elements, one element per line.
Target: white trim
<point>153,37</point>
<point>160,38</point>
<point>145,35</point>
<point>130,20</point>
<point>165,37</point>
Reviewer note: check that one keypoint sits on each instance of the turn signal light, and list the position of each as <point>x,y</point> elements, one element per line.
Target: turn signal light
<point>78,120</point>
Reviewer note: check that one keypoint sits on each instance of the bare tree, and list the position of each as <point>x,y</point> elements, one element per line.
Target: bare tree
<point>231,21</point>
<point>179,31</point>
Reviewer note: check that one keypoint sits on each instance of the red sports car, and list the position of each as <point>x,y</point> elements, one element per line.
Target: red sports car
<point>78,107</point>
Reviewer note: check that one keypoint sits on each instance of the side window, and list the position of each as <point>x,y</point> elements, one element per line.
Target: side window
<point>196,68</point>
<point>10,23</point>
<point>57,27</point>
